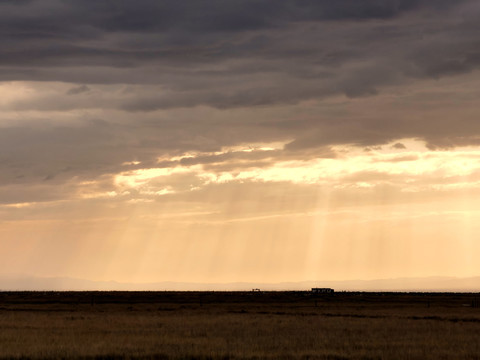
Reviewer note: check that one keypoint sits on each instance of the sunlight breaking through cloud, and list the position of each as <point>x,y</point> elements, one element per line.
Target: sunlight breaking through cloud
<point>412,169</point>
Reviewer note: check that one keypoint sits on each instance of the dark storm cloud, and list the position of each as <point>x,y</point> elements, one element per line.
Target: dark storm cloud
<point>196,15</point>
<point>238,53</point>
<point>131,33</point>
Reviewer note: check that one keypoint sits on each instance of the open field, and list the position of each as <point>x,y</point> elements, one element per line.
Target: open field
<point>239,325</point>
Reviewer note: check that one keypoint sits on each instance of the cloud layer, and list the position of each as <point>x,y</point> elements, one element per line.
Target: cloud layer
<point>95,90</point>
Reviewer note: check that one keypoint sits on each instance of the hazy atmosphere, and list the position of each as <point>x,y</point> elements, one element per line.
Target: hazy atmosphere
<point>205,141</point>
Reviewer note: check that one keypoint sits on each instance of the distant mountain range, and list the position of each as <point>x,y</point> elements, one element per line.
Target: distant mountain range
<point>26,282</point>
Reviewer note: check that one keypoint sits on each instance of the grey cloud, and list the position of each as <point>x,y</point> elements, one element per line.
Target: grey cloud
<point>204,15</point>
<point>56,33</point>
<point>92,148</point>
<point>78,90</point>
<point>60,153</point>
<point>316,50</point>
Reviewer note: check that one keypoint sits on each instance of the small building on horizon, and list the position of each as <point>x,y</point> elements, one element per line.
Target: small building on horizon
<point>322,291</point>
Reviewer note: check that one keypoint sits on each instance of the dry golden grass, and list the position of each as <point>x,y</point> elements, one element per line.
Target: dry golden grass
<point>225,326</point>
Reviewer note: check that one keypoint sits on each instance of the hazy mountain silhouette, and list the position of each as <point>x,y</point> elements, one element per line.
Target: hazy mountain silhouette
<point>28,282</point>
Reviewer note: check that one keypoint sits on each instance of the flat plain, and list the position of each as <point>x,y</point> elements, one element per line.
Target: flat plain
<point>239,325</point>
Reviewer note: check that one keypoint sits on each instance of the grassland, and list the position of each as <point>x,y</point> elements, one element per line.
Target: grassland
<point>234,325</point>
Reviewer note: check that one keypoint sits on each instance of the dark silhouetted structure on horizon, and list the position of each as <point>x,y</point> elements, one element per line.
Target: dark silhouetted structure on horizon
<point>322,291</point>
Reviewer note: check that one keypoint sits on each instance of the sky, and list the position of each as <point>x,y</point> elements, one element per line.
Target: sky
<point>241,140</point>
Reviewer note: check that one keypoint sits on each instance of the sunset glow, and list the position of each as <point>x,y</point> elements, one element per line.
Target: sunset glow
<point>311,142</point>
